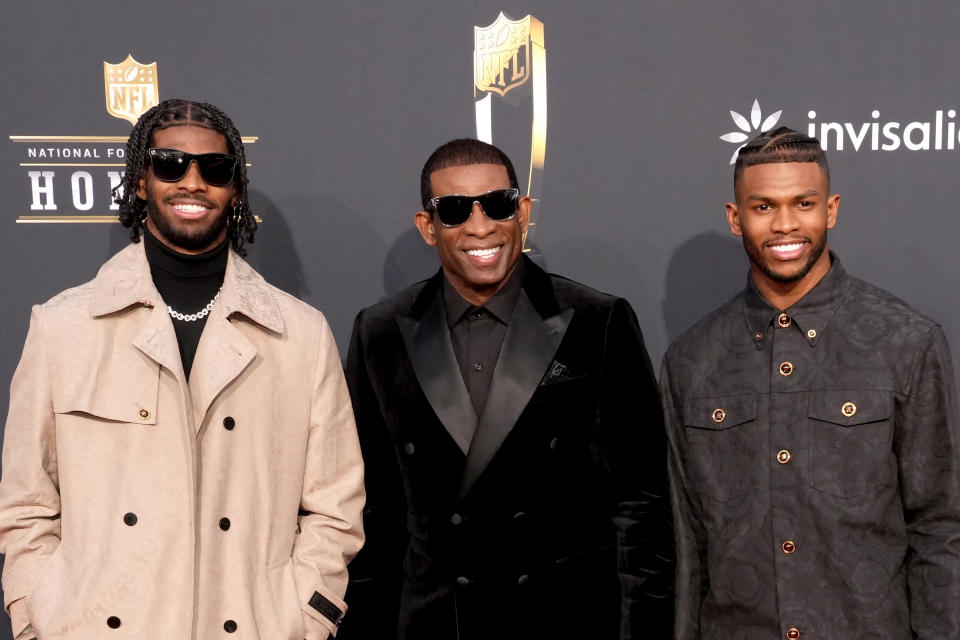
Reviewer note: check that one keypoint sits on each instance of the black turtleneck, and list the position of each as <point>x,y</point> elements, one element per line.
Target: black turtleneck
<point>186,283</point>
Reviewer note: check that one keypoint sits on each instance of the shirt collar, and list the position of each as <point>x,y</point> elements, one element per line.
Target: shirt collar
<point>500,305</point>
<point>810,314</point>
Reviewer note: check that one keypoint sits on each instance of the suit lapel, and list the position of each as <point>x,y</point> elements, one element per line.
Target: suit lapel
<point>428,345</point>
<point>528,348</point>
<point>222,355</point>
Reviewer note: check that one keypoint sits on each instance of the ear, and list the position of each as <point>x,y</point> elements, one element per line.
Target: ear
<point>424,222</point>
<point>733,219</point>
<point>524,206</point>
<point>142,187</point>
<point>833,205</point>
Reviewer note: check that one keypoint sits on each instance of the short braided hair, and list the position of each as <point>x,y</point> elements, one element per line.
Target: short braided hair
<point>241,222</point>
<point>780,145</point>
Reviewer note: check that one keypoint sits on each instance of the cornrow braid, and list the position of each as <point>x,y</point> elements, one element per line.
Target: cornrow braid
<point>780,145</point>
<point>241,222</point>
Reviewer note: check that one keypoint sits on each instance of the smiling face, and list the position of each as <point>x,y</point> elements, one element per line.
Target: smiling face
<point>189,215</point>
<point>478,256</point>
<point>783,211</point>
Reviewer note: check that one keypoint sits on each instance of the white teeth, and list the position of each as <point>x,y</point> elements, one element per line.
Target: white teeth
<point>483,253</point>
<point>189,208</point>
<point>786,248</point>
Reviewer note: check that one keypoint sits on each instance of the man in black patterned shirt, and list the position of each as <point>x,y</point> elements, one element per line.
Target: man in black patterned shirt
<point>813,436</point>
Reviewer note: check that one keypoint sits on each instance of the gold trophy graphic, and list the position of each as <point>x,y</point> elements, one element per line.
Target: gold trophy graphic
<point>509,61</point>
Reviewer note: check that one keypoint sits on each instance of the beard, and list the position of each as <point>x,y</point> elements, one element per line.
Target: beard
<point>194,237</point>
<point>755,252</point>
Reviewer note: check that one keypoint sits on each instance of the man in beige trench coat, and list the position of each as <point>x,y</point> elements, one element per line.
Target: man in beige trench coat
<point>180,458</point>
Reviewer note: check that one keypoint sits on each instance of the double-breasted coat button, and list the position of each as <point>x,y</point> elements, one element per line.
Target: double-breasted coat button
<point>463,581</point>
<point>408,448</point>
<point>523,579</point>
<point>848,409</point>
<point>129,519</point>
<point>812,333</point>
<point>783,456</point>
<point>719,415</point>
<point>229,626</point>
<point>229,423</point>
<point>786,368</point>
<point>224,523</point>
<point>113,622</point>
<point>456,518</point>
<point>784,320</point>
<point>144,414</point>
<point>758,336</point>
<point>793,633</point>
<point>788,546</point>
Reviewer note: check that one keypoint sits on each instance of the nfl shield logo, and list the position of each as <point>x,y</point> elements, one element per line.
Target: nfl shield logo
<point>501,55</point>
<point>130,87</point>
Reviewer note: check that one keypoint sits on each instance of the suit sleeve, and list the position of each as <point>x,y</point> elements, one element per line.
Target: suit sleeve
<point>691,578</point>
<point>332,500</point>
<point>631,424</point>
<point>376,573</point>
<point>29,490</point>
<point>927,446</point>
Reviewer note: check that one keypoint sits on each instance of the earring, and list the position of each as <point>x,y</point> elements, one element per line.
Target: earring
<point>236,215</point>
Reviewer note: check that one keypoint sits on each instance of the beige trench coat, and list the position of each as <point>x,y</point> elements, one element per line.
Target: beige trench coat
<point>135,506</point>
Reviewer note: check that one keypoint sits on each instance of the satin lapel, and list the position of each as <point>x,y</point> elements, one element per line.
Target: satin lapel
<point>431,352</point>
<point>222,355</point>
<point>528,348</point>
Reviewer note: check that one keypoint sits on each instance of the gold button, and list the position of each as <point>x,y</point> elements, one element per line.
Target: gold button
<point>788,547</point>
<point>812,334</point>
<point>784,320</point>
<point>786,368</point>
<point>758,337</point>
<point>793,633</point>
<point>848,409</point>
<point>783,456</point>
<point>719,415</point>
<point>144,414</point>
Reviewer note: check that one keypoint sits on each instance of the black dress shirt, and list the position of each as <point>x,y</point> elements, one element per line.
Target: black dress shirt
<point>814,469</point>
<point>477,333</point>
<point>187,283</point>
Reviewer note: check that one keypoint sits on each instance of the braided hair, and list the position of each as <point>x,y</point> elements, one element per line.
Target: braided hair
<point>241,223</point>
<point>780,145</point>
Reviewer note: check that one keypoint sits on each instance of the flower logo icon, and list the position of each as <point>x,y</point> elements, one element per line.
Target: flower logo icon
<point>749,126</point>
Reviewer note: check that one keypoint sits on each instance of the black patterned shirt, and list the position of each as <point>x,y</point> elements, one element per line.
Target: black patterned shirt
<point>814,469</point>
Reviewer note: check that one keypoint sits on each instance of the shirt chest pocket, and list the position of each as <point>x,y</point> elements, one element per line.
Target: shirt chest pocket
<point>851,441</point>
<point>723,445</point>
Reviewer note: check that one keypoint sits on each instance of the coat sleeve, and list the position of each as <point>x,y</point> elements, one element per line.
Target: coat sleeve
<point>927,446</point>
<point>331,531</point>
<point>691,578</point>
<point>635,444</point>
<point>29,490</point>
<point>376,573</point>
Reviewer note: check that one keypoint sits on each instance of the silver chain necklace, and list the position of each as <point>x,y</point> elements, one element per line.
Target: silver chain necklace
<point>193,317</point>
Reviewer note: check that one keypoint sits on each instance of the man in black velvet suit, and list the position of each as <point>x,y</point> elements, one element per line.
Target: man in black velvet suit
<point>512,436</point>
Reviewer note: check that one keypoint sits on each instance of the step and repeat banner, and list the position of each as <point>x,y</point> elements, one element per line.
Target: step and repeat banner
<point>622,119</point>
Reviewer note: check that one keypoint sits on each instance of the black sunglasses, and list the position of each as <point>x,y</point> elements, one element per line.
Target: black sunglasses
<point>454,210</point>
<point>170,165</point>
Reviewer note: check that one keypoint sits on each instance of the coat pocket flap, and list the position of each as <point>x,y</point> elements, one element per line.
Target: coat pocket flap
<point>115,394</point>
<point>850,408</point>
<point>720,412</point>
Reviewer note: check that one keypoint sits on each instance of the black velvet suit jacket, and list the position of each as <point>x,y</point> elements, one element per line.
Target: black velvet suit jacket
<point>556,523</point>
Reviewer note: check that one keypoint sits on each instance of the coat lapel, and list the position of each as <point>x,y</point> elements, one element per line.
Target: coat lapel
<point>428,344</point>
<point>528,348</point>
<point>224,352</point>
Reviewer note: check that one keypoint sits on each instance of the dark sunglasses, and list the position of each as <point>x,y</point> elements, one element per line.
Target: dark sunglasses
<point>498,205</point>
<point>170,165</point>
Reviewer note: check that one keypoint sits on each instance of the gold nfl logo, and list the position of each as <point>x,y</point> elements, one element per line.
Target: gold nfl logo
<point>502,53</point>
<point>130,87</point>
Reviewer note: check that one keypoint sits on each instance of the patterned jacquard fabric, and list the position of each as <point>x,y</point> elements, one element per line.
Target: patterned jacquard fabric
<point>814,470</point>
